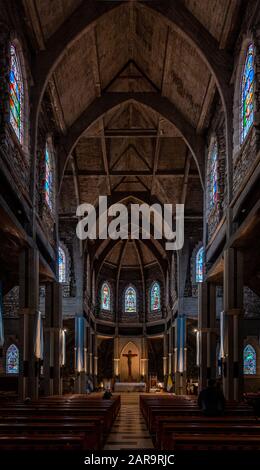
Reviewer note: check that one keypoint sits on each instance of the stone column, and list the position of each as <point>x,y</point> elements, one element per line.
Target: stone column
<point>144,360</point>
<point>165,358</point>
<point>170,353</point>
<point>207,332</point>
<point>180,356</point>
<point>29,304</point>
<point>233,324</point>
<point>90,353</point>
<point>116,358</point>
<point>52,343</point>
<point>95,361</point>
<point>81,348</point>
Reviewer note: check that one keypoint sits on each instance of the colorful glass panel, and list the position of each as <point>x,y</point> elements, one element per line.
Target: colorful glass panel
<point>48,182</point>
<point>12,360</point>
<point>213,176</point>
<point>16,94</point>
<point>200,265</point>
<point>247,93</point>
<point>62,265</point>
<point>155,297</point>
<point>105,297</point>
<point>130,299</point>
<point>249,360</point>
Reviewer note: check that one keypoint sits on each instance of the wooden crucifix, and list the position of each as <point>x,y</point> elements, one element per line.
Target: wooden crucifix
<point>129,356</point>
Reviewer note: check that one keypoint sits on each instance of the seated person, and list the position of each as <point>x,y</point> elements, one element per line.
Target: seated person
<point>107,394</point>
<point>211,400</point>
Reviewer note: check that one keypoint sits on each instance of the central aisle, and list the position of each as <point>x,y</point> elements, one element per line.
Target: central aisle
<point>129,430</point>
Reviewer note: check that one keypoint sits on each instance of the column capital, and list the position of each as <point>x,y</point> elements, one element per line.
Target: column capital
<point>234,311</point>
<point>208,330</point>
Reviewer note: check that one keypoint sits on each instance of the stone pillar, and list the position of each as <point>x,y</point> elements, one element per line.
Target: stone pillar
<point>52,343</point>
<point>180,356</point>
<point>170,353</point>
<point>87,351</point>
<point>233,324</point>
<point>165,358</point>
<point>95,362</point>
<point>81,348</point>
<point>29,304</point>
<point>207,332</point>
<point>90,353</point>
<point>144,360</point>
<point>116,358</point>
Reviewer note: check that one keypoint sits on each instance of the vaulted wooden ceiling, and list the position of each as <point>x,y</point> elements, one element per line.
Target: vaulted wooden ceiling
<point>132,148</point>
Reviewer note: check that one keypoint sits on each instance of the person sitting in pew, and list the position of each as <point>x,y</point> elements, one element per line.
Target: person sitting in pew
<point>211,400</point>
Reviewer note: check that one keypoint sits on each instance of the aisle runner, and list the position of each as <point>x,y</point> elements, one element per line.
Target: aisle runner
<point>129,430</point>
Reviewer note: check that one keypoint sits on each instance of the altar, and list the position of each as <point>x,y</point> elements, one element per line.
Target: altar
<point>130,387</point>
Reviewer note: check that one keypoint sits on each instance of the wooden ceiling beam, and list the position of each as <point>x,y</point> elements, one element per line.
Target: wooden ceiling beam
<point>156,156</point>
<point>155,101</point>
<point>185,179</point>
<point>173,173</point>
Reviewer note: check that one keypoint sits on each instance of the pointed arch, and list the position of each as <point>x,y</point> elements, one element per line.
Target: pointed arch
<point>249,360</point>
<point>16,94</point>
<point>155,297</point>
<point>12,359</point>
<point>200,265</point>
<point>247,93</point>
<point>130,299</point>
<point>105,296</point>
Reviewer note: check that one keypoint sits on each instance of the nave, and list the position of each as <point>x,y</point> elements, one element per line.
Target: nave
<point>129,222</point>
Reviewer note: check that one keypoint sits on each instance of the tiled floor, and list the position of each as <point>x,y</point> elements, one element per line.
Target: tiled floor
<point>129,430</point>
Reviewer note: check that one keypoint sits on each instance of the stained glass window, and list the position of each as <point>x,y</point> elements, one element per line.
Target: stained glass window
<point>130,299</point>
<point>155,297</point>
<point>16,94</point>
<point>62,265</point>
<point>12,360</point>
<point>105,297</point>
<point>249,360</point>
<point>213,176</point>
<point>247,94</point>
<point>48,181</point>
<point>200,265</point>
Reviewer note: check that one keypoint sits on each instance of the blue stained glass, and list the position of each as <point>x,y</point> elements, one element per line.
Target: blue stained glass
<point>62,265</point>
<point>130,299</point>
<point>213,176</point>
<point>155,297</point>
<point>249,360</point>
<point>48,181</point>
<point>105,297</point>
<point>16,94</point>
<point>200,265</point>
<point>12,360</point>
<point>247,94</point>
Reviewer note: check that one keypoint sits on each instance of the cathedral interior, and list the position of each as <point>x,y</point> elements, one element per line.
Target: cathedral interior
<point>144,102</point>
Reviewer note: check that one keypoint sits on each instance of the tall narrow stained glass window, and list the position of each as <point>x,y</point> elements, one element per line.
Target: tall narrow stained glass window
<point>213,176</point>
<point>249,360</point>
<point>155,297</point>
<point>16,95</point>
<point>200,265</point>
<point>130,299</point>
<point>48,180</point>
<point>105,296</point>
<point>62,265</point>
<point>12,360</point>
<point>247,94</point>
